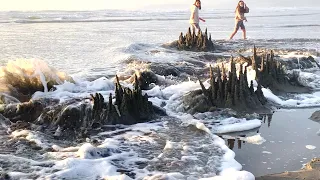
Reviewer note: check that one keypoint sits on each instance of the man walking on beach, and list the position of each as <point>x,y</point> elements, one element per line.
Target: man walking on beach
<point>194,17</point>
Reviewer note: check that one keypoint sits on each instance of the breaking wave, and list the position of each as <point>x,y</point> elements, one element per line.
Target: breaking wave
<point>22,78</point>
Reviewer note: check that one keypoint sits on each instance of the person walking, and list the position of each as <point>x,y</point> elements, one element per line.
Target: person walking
<point>241,9</point>
<point>194,17</point>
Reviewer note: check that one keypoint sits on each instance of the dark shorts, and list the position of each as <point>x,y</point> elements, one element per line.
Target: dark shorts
<point>239,24</point>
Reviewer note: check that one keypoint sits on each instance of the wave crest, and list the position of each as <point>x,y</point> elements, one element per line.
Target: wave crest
<point>21,78</point>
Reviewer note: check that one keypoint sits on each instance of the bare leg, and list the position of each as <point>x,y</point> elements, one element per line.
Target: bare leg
<point>193,28</point>
<point>234,33</point>
<point>244,33</point>
<point>198,27</point>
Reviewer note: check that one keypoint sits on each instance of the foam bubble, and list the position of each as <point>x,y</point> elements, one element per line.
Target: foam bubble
<point>266,152</point>
<point>311,147</point>
<point>256,139</point>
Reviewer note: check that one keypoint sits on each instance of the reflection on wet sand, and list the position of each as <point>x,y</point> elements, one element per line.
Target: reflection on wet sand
<point>267,117</point>
<point>239,137</point>
<point>279,144</point>
<point>231,143</point>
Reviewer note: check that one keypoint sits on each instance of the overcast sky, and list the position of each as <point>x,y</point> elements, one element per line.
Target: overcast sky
<point>8,5</point>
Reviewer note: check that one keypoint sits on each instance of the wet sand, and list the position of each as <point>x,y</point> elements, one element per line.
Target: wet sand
<point>310,172</point>
<point>285,149</point>
<point>301,175</point>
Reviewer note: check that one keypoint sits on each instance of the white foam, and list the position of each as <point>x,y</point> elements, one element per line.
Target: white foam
<point>146,127</point>
<point>201,126</point>
<point>84,169</point>
<point>295,55</point>
<point>251,76</point>
<point>93,162</point>
<point>180,89</point>
<point>83,89</point>
<point>230,168</point>
<point>99,158</point>
<point>266,152</point>
<point>309,79</point>
<point>87,151</point>
<point>286,110</point>
<point>118,177</point>
<point>174,107</point>
<point>74,162</point>
<point>169,145</point>
<point>169,176</point>
<point>229,164</point>
<point>30,167</point>
<point>301,100</point>
<point>32,136</point>
<point>255,139</point>
<point>311,147</point>
<point>174,94</point>
<point>236,125</point>
<point>155,92</point>
<point>18,175</point>
<point>156,101</point>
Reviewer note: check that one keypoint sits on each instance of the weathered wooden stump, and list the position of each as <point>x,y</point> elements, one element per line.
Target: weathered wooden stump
<point>193,42</point>
<point>75,118</point>
<point>270,73</point>
<point>227,91</point>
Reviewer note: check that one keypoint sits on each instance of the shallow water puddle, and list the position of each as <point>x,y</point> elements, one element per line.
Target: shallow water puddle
<point>291,141</point>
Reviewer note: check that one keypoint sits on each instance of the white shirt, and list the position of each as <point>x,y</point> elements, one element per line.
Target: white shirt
<point>194,10</point>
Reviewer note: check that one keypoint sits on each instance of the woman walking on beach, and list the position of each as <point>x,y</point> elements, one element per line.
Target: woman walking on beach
<point>239,18</point>
<point>194,17</point>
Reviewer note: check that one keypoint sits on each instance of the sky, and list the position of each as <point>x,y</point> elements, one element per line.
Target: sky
<point>34,5</point>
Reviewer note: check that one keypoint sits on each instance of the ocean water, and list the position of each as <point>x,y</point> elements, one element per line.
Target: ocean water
<point>86,43</point>
<point>289,140</point>
<point>94,46</point>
